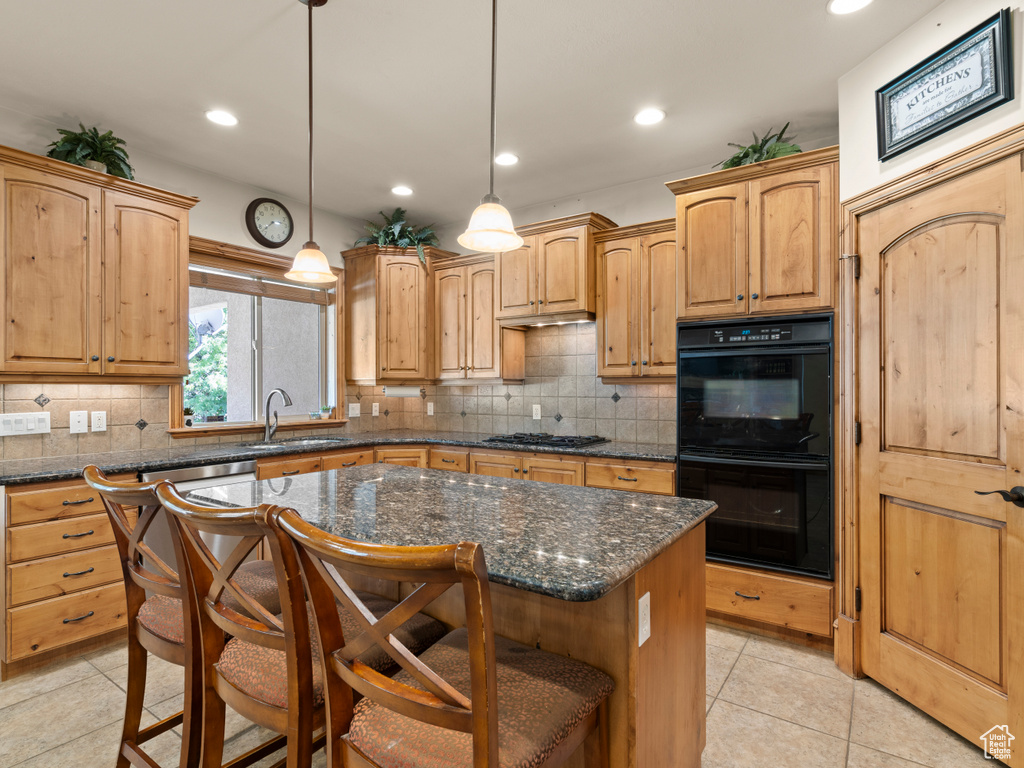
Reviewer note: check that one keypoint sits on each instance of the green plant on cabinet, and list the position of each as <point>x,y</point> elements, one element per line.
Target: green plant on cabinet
<point>397,232</point>
<point>88,144</point>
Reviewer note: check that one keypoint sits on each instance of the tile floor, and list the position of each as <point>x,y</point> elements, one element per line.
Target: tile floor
<point>770,705</point>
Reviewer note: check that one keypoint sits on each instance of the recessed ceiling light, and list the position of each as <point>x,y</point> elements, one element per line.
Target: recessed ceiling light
<point>401,190</point>
<point>649,116</point>
<point>843,7</point>
<point>220,117</point>
<point>506,158</point>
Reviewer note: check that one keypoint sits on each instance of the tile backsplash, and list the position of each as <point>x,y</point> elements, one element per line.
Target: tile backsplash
<point>561,377</point>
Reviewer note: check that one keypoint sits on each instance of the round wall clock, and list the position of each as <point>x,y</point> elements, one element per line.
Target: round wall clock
<point>269,222</point>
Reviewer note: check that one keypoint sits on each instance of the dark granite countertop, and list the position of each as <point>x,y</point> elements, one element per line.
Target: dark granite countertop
<point>563,541</point>
<point>20,471</point>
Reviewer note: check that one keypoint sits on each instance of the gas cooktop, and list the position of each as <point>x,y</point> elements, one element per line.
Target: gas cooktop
<point>543,438</point>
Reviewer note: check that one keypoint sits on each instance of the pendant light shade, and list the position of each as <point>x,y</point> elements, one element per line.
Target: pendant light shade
<point>490,227</point>
<point>310,264</point>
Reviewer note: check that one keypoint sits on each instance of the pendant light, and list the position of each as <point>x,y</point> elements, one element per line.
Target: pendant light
<point>310,264</point>
<point>490,227</point>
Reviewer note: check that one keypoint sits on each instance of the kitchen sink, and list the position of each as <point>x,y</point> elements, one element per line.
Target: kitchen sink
<point>299,442</point>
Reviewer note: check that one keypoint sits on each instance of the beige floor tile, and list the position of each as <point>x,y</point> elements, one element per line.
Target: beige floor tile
<point>862,757</point>
<point>742,738</point>
<point>51,678</point>
<point>234,723</point>
<point>792,694</point>
<point>51,719</point>
<point>163,679</point>
<point>106,659</point>
<point>885,722</point>
<point>98,749</point>
<point>719,661</point>
<point>726,637</point>
<point>711,700</point>
<point>792,655</point>
<point>250,739</point>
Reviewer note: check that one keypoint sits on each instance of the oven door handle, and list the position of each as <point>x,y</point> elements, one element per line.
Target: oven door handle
<point>818,349</point>
<point>746,462</point>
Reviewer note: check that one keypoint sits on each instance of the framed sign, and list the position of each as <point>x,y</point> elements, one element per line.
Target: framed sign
<point>971,75</point>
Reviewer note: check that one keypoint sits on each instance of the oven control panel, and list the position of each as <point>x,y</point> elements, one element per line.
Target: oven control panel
<point>742,334</point>
<point>755,332</point>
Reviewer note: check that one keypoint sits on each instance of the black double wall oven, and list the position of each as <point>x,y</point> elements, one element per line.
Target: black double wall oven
<point>755,435</point>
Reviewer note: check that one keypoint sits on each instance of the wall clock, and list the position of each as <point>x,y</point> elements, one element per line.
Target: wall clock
<point>269,222</point>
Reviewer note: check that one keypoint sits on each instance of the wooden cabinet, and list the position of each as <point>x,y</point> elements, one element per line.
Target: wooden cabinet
<point>95,272</point>
<point>346,459</point>
<point>468,341</point>
<point>636,301</point>
<point>554,469</point>
<point>641,477</point>
<point>552,276</point>
<point>496,465</point>
<point>267,469</point>
<point>798,604</point>
<point>453,460</point>
<point>406,457</point>
<point>758,239</point>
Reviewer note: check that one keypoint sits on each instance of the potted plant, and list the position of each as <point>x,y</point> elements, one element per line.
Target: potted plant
<point>398,233</point>
<point>88,147</point>
<point>769,147</point>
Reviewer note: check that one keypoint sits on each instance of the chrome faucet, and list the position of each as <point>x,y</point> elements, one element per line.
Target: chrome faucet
<point>270,429</point>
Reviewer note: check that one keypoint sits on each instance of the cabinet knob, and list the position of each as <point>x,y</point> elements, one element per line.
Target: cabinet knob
<point>753,295</point>
<point>633,363</point>
<point>531,303</point>
<point>95,358</point>
<point>644,362</point>
<point>110,359</point>
<point>540,301</point>
<point>739,297</point>
<point>525,471</point>
<point>515,469</point>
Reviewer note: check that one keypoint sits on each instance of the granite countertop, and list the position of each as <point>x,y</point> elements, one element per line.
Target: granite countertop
<point>20,471</point>
<point>563,541</point>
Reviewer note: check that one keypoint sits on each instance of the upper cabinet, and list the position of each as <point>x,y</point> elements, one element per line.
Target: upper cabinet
<point>758,239</point>
<point>95,272</point>
<point>552,276</point>
<point>636,300</point>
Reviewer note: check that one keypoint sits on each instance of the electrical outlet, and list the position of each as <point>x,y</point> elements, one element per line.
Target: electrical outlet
<point>99,421</point>
<point>430,409</point>
<point>376,409</point>
<point>353,410</point>
<point>644,619</point>
<point>79,422</point>
<point>536,413</point>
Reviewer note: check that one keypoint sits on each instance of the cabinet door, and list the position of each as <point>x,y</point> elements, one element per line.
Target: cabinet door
<point>792,240</point>
<point>711,229</point>
<point>346,459</point>
<point>406,457</point>
<point>617,308</point>
<point>494,465</point>
<point>483,338</point>
<point>288,467</point>
<point>517,280</point>
<point>145,258</point>
<point>450,322</point>
<point>563,263</point>
<point>553,471</point>
<point>402,322</point>
<point>450,460</point>
<point>52,274</point>
<point>657,348</point>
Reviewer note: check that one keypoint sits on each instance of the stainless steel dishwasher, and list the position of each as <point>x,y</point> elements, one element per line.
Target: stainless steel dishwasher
<point>188,479</point>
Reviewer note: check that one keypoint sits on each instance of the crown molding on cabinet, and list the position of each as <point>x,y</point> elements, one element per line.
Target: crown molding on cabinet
<point>795,162</point>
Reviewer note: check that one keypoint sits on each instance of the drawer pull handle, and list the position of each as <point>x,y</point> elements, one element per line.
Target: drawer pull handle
<point>79,573</point>
<point>78,535</point>
<point>448,461</point>
<point>79,618</point>
<point>293,472</point>
<point>748,597</point>
<point>628,479</point>
<point>80,501</point>
<point>348,463</point>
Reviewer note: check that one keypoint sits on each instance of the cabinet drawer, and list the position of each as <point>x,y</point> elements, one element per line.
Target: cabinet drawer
<point>804,605</point>
<point>622,477</point>
<point>55,538</point>
<point>406,457</point>
<point>62,575</point>
<point>553,470</point>
<point>346,460</point>
<point>288,468</point>
<point>52,623</point>
<point>52,504</point>
<point>455,461</point>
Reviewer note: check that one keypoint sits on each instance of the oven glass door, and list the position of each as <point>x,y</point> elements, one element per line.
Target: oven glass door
<point>771,514</point>
<point>756,400</point>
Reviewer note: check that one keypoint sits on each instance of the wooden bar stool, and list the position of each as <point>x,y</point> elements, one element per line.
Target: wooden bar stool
<point>471,699</point>
<point>269,671</point>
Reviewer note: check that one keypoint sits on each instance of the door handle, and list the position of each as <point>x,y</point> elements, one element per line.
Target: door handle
<point>1016,495</point>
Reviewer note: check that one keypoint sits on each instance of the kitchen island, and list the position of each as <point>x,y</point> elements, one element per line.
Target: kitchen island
<point>567,567</point>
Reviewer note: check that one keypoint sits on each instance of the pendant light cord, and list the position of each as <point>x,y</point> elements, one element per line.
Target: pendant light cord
<point>310,5</point>
<point>494,81</point>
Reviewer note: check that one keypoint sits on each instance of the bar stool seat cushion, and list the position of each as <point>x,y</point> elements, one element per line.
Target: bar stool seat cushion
<point>541,698</point>
<point>162,615</point>
<point>262,672</point>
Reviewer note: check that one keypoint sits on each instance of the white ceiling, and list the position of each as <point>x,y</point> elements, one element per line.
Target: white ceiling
<point>402,87</point>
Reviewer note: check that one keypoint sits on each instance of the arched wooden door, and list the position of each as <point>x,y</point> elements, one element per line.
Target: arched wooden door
<point>940,389</point>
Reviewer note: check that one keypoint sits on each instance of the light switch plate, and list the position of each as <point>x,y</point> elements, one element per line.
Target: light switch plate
<point>430,409</point>
<point>79,422</point>
<point>644,619</point>
<point>353,410</point>
<point>375,409</point>
<point>12,424</point>
<point>99,421</point>
<point>536,413</point>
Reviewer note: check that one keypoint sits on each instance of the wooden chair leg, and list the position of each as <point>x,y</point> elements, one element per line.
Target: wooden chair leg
<point>213,728</point>
<point>192,724</point>
<point>136,685</point>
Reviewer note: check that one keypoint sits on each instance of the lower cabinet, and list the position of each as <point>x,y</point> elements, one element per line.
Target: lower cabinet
<point>648,477</point>
<point>496,465</point>
<point>796,603</point>
<point>406,457</point>
<point>300,465</point>
<point>346,459</point>
<point>451,460</point>
<point>562,471</point>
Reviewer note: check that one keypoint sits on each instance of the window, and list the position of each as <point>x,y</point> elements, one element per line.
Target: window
<point>250,334</point>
